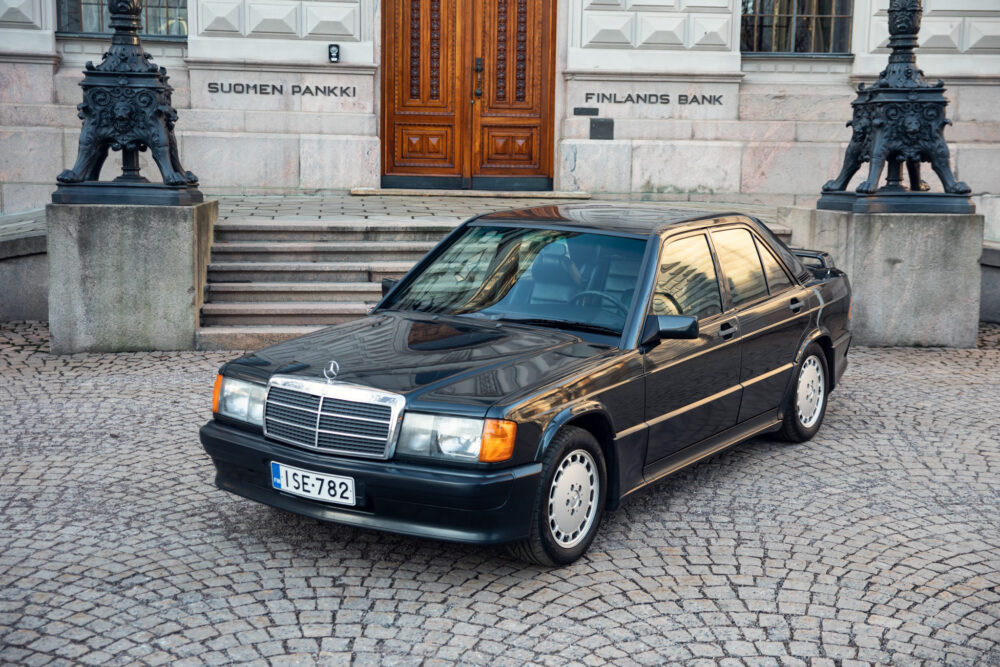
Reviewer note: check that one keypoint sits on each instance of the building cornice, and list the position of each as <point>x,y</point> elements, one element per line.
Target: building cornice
<point>949,79</point>
<point>30,58</point>
<point>263,66</point>
<point>618,75</point>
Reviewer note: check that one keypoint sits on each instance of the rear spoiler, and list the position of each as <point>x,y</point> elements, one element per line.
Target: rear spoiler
<point>814,259</point>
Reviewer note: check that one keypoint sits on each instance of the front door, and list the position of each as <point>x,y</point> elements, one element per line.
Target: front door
<point>692,386</point>
<point>467,94</point>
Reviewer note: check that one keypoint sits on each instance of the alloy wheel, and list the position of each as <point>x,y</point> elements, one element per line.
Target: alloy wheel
<point>811,392</point>
<point>573,495</point>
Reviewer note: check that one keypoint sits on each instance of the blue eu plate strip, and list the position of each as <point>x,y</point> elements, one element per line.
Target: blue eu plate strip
<point>275,475</point>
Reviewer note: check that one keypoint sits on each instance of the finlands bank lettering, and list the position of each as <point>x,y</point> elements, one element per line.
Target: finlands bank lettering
<point>279,89</point>
<point>650,98</point>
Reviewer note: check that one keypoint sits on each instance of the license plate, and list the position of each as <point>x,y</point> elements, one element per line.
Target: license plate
<point>310,484</point>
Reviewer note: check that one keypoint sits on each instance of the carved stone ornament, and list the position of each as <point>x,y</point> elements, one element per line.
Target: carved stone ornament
<point>126,107</point>
<point>900,119</point>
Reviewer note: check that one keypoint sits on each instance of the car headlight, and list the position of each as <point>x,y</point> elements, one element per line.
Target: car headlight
<point>239,399</point>
<point>456,438</point>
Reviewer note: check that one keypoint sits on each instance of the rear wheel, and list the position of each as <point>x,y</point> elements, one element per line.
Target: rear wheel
<point>805,406</point>
<point>570,500</point>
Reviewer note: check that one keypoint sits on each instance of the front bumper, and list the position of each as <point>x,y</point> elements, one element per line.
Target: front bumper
<point>441,503</point>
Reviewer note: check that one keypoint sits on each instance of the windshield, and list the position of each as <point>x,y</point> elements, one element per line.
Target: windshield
<point>549,277</point>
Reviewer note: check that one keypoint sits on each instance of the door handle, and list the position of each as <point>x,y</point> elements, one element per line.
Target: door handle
<point>795,305</point>
<point>727,330</point>
<point>478,92</point>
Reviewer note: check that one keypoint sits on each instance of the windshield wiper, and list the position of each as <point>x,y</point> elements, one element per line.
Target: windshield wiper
<point>563,324</point>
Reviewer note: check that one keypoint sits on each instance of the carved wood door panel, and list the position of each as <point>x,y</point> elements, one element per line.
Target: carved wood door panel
<point>425,98</point>
<point>467,93</point>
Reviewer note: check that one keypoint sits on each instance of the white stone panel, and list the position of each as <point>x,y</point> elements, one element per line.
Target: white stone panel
<point>332,19</point>
<point>253,90</point>
<point>29,83</point>
<point>778,167</point>
<point>340,162</point>
<point>655,99</point>
<point>594,166</point>
<point>608,29</point>
<point>940,33</point>
<point>603,4</point>
<point>709,32</point>
<point>223,160</point>
<point>225,16</point>
<point>20,14</point>
<point>661,31</point>
<point>30,154</point>
<point>651,5</point>
<point>686,166</point>
<point>273,18</point>
<point>983,35</point>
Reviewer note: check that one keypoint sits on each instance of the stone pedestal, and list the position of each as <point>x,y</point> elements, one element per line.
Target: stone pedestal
<point>127,278</point>
<point>915,276</point>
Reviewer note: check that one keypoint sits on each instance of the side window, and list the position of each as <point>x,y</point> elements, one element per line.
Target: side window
<point>740,265</point>
<point>686,283</point>
<point>777,279</point>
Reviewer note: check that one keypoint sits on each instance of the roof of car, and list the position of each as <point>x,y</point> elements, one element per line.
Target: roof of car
<point>622,218</point>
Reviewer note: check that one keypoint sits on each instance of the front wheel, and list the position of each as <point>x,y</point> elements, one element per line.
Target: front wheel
<point>570,500</point>
<point>805,405</point>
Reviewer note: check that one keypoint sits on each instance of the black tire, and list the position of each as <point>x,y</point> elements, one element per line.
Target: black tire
<point>567,452</point>
<point>795,427</point>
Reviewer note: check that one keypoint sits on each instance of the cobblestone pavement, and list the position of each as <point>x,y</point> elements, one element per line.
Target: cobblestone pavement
<point>877,542</point>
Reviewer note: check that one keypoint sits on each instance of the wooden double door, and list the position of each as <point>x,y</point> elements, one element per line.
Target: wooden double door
<point>467,94</point>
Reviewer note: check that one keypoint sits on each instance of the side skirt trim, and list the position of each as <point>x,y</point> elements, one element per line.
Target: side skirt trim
<point>690,455</point>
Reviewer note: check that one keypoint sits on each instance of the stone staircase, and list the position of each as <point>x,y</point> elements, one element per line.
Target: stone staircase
<point>271,279</point>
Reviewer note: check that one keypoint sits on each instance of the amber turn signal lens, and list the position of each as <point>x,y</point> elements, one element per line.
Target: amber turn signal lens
<point>498,440</point>
<point>215,393</point>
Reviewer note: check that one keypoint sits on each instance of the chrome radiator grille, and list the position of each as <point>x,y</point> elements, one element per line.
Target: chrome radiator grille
<point>338,418</point>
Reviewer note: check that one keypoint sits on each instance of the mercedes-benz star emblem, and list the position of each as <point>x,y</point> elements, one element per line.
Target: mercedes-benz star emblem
<point>330,372</point>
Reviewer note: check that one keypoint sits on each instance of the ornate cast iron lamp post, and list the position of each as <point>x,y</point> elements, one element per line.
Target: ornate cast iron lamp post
<point>126,107</point>
<point>900,119</point>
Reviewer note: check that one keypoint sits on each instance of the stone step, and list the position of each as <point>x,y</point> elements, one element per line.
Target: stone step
<point>319,251</point>
<point>358,292</point>
<point>248,229</point>
<point>244,338</point>
<point>364,272</point>
<point>280,314</point>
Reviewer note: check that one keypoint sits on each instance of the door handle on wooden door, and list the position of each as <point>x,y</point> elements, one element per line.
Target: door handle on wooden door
<point>478,92</point>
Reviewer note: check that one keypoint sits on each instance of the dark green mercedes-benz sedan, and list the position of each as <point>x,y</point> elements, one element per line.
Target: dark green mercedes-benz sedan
<point>535,369</point>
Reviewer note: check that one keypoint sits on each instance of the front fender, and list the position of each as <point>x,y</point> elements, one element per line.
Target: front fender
<point>567,415</point>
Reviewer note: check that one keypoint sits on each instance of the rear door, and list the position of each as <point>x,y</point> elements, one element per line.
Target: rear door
<point>692,386</point>
<point>772,311</point>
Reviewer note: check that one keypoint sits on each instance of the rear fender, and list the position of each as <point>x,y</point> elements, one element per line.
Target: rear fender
<point>811,337</point>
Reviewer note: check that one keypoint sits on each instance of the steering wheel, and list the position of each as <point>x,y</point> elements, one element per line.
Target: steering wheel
<point>607,297</point>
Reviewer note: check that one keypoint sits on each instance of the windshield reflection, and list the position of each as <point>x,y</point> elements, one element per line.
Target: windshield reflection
<point>557,278</point>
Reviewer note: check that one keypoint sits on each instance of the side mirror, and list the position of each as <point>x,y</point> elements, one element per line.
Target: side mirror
<point>388,284</point>
<point>664,327</point>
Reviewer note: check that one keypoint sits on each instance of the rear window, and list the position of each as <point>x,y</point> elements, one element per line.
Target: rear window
<point>741,265</point>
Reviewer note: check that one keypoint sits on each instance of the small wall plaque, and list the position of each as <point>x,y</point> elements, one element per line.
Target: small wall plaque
<point>335,53</point>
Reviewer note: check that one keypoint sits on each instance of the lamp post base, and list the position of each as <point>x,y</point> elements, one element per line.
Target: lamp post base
<point>127,193</point>
<point>902,201</point>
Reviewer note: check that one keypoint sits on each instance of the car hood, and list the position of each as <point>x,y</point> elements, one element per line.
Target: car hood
<point>459,365</point>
